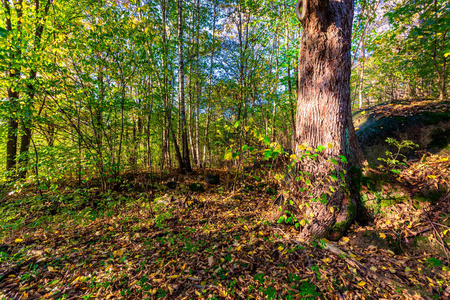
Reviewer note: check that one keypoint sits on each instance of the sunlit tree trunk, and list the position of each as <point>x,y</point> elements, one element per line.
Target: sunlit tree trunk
<point>12,91</point>
<point>324,116</point>
<point>208,113</point>
<point>361,79</point>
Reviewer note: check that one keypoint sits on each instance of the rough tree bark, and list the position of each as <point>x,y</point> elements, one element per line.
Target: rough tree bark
<point>324,118</point>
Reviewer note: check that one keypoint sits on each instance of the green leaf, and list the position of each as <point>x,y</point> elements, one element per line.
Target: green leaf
<point>434,262</point>
<point>3,32</point>
<point>267,153</point>
<point>343,159</point>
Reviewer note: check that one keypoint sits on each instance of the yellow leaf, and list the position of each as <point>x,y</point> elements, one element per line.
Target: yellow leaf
<point>332,209</point>
<point>77,279</point>
<point>281,248</point>
<point>431,176</point>
<point>18,241</point>
<point>174,276</point>
<point>223,293</point>
<point>362,283</point>
<point>245,227</point>
<point>311,215</point>
<point>382,235</point>
<point>301,147</point>
<point>118,253</point>
<point>303,222</point>
<point>132,283</point>
<point>387,222</point>
<point>229,156</point>
<point>363,112</point>
<point>345,239</point>
<point>330,145</point>
<point>293,157</point>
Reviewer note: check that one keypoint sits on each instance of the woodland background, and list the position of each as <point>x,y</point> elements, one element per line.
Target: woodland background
<point>93,203</point>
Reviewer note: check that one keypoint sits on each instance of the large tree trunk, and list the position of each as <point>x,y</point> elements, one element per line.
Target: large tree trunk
<point>324,118</point>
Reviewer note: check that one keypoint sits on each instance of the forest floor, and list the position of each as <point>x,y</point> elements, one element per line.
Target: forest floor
<point>156,237</point>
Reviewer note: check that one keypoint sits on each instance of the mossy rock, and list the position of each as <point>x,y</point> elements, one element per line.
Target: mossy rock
<point>431,196</point>
<point>440,138</point>
<point>423,244</point>
<point>212,179</point>
<point>171,184</point>
<point>196,187</point>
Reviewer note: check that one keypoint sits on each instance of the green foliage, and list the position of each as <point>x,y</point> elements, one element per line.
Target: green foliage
<point>434,262</point>
<point>392,161</point>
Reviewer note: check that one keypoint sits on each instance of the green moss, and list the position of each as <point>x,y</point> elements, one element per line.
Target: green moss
<point>432,196</point>
<point>419,241</point>
<point>435,118</point>
<point>342,226</point>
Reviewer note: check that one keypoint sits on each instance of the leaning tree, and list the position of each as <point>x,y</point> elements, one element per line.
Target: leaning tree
<point>327,155</point>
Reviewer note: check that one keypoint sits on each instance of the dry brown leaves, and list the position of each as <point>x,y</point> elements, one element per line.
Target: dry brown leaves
<point>410,108</point>
<point>206,245</point>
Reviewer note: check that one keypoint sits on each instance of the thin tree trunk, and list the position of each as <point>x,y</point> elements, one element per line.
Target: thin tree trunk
<point>185,163</point>
<point>205,146</point>
<point>13,94</point>
<point>149,117</point>
<point>25,141</point>
<point>361,79</point>
<point>291,101</point>
<point>275,90</point>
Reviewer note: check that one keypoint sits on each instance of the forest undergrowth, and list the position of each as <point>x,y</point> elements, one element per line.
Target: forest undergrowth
<point>197,240</point>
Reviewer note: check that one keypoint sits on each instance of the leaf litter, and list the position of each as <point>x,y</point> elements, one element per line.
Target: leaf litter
<point>176,244</point>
